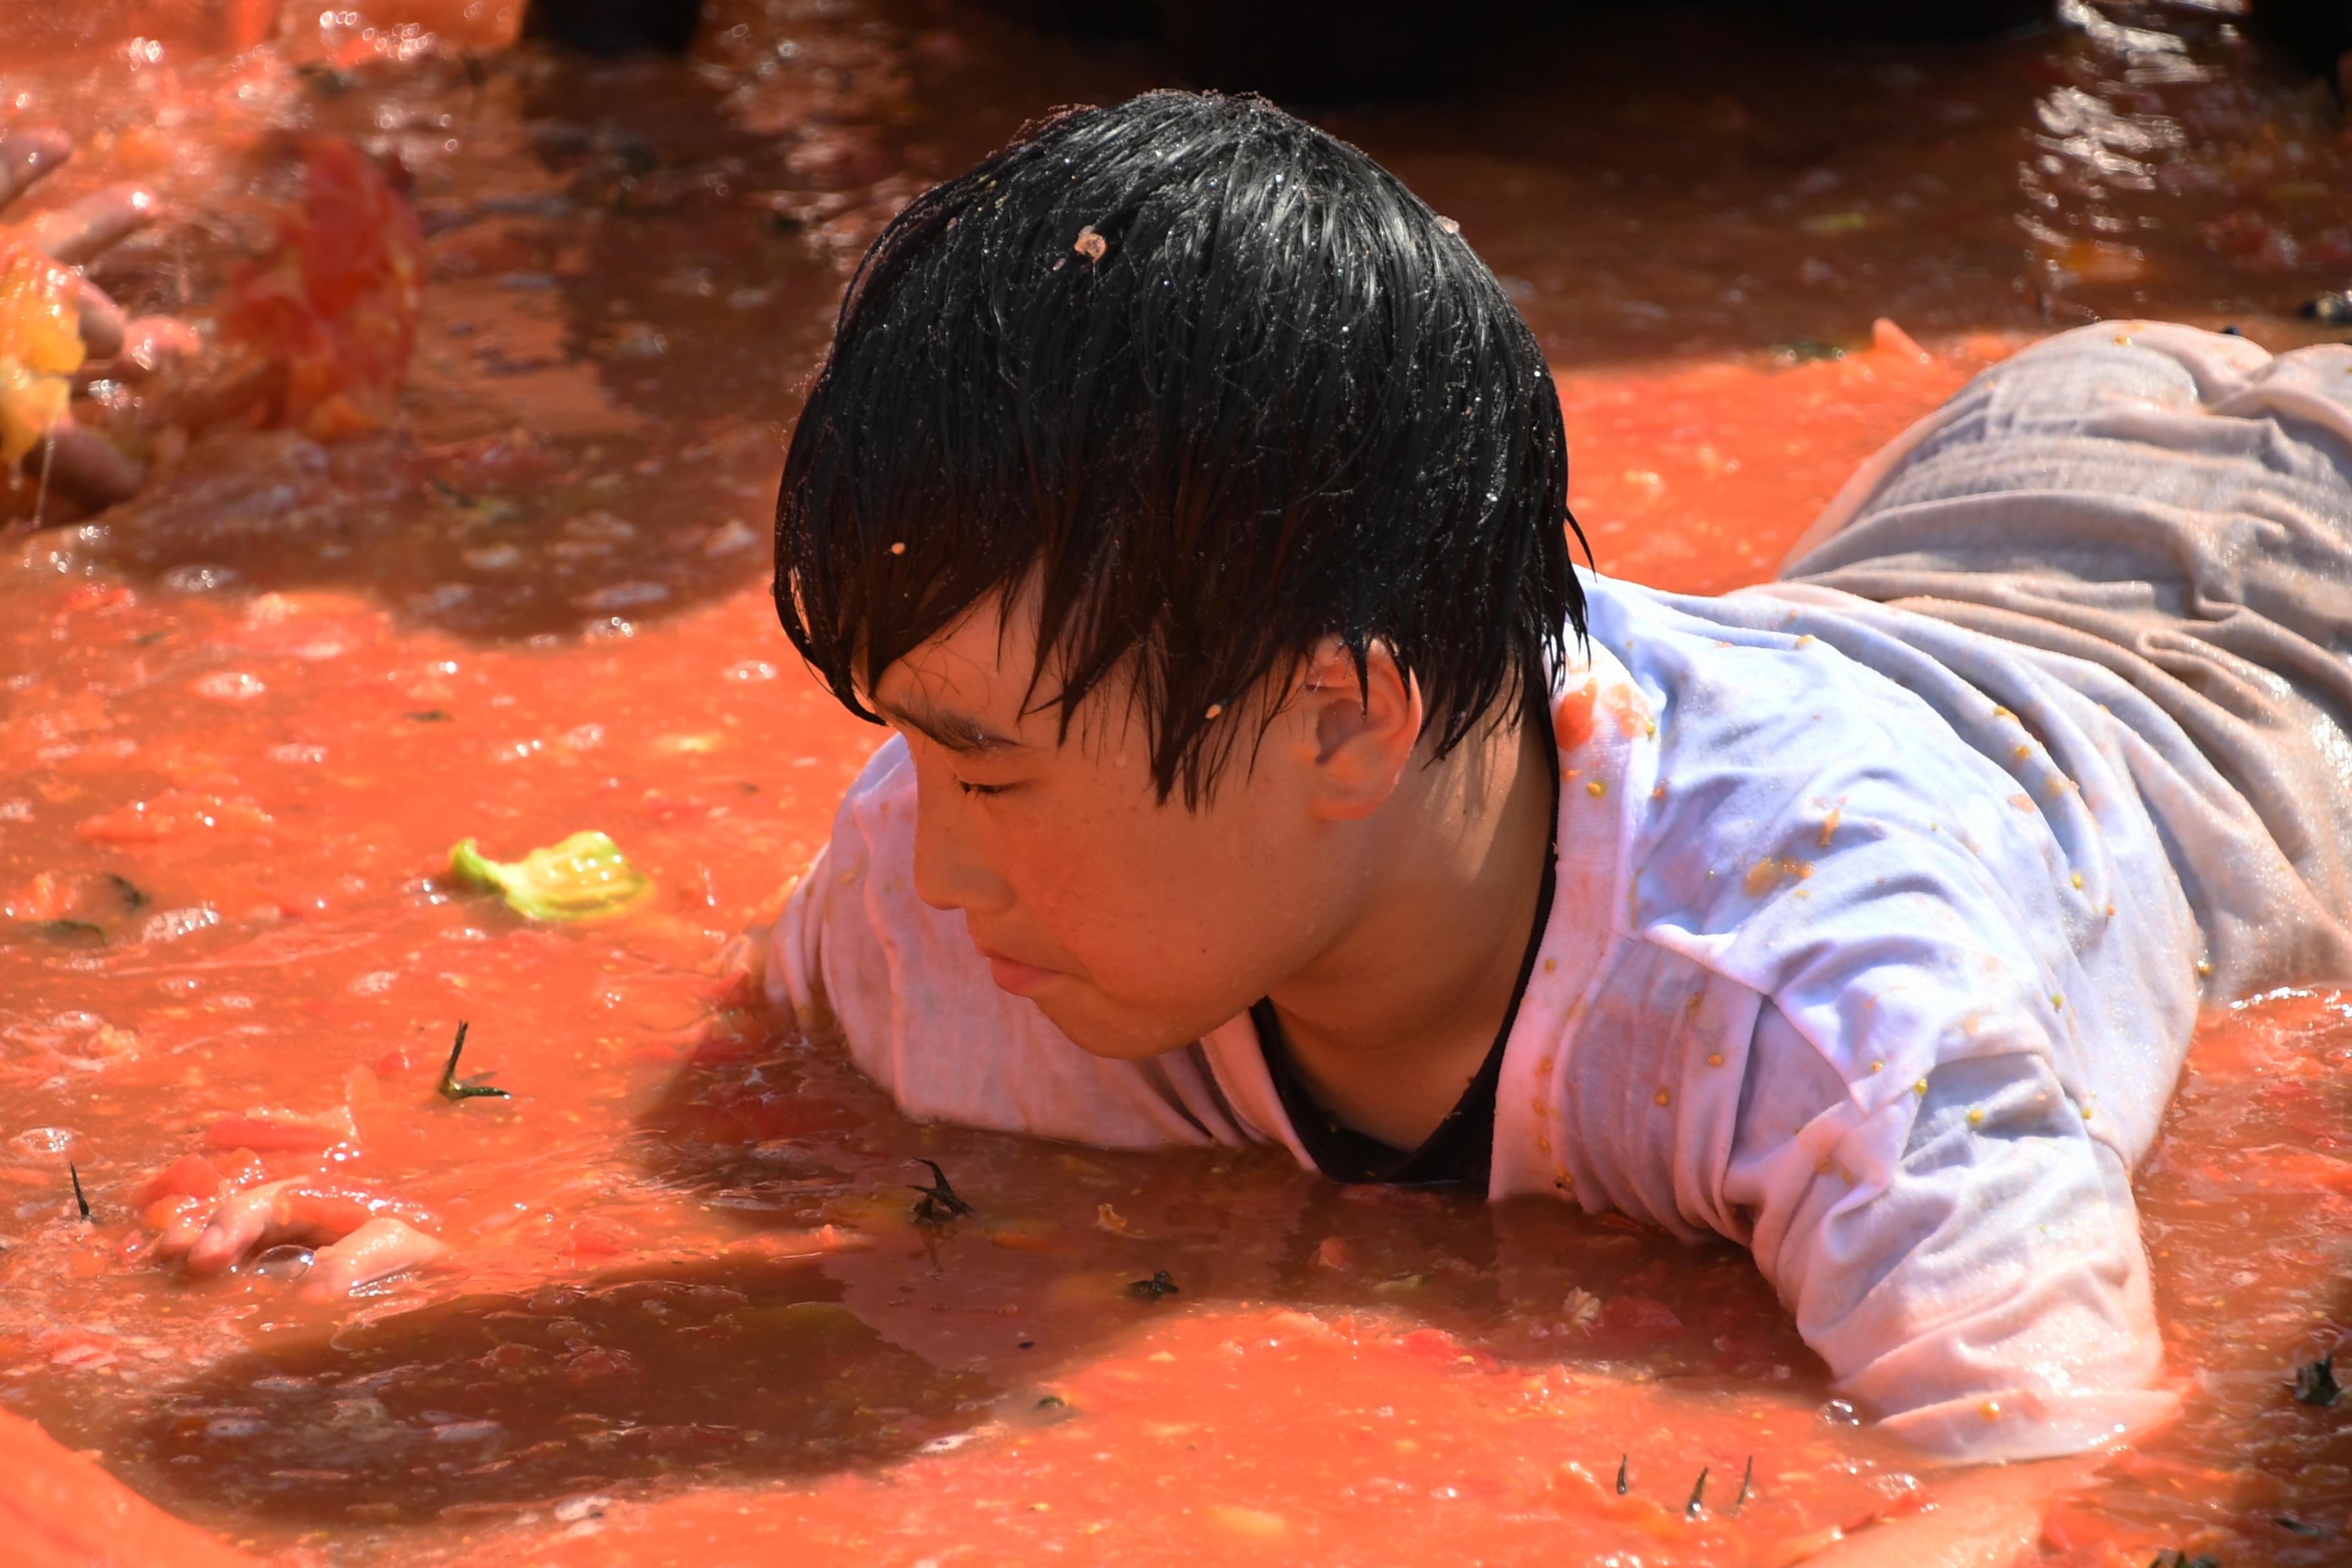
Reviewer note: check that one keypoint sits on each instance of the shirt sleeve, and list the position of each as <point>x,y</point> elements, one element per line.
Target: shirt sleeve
<point>1965,1257</point>
<point>1903,1046</point>
<point>856,954</point>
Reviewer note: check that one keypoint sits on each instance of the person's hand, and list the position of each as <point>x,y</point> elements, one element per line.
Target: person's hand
<point>82,463</point>
<point>359,1237</point>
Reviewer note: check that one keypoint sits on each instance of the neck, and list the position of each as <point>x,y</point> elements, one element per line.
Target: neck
<point>1389,1023</point>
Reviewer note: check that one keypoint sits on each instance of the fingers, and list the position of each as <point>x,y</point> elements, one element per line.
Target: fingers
<point>75,233</point>
<point>25,156</point>
<point>357,1239</point>
<point>381,1247</point>
<point>144,344</point>
<point>278,1211</point>
<point>180,1232</point>
<point>87,466</point>
<point>240,1222</point>
<point>80,464</point>
<point>101,322</point>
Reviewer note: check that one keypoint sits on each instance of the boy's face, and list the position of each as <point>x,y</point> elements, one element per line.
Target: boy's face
<point>1136,926</point>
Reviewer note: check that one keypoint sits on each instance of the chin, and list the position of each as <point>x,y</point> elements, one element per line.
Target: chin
<point>1114,1039</point>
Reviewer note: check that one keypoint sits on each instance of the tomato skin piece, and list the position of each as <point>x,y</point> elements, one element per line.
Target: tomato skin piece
<point>58,1509</point>
<point>47,897</point>
<point>174,814</point>
<point>1436,1345</point>
<point>278,1133</point>
<point>97,598</point>
<point>2072,1527</point>
<point>1024,1241</point>
<point>189,1176</point>
<point>1632,1315</point>
<point>593,1239</point>
<point>1572,722</point>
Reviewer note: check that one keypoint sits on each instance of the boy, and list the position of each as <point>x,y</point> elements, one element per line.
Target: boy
<point>1191,502</point>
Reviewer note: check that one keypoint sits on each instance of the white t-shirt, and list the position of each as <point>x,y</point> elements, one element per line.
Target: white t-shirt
<point>1867,954</point>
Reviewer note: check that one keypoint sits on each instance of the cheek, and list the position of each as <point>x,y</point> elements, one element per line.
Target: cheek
<point>1090,887</point>
<point>1156,905</point>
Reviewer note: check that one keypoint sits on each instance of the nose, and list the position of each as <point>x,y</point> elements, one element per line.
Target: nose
<point>951,870</point>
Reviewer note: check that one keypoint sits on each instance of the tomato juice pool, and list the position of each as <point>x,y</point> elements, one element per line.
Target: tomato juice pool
<point>691,1313</point>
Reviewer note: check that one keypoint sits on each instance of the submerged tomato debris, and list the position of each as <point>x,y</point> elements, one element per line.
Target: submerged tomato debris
<point>332,308</point>
<point>687,1312</point>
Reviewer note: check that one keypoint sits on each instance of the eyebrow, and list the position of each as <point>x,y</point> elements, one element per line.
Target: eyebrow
<point>956,732</point>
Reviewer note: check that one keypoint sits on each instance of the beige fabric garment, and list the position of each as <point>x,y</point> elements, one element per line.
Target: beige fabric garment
<point>2175,507</point>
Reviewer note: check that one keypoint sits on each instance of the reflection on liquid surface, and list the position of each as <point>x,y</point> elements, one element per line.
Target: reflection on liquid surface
<point>686,1370</point>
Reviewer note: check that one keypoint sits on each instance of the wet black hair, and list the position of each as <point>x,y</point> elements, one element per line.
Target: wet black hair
<point>1218,386</point>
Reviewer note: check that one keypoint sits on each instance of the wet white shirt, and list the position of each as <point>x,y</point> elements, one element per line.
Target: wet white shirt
<point>1865,952</point>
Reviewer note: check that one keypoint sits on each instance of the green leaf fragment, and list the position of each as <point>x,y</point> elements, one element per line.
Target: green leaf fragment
<point>585,877</point>
<point>1835,223</point>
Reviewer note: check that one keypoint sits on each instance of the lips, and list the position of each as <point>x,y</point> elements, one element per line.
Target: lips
<point>1013,975</point>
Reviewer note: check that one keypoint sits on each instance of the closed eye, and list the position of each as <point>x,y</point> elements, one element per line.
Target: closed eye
<point>981,788</point>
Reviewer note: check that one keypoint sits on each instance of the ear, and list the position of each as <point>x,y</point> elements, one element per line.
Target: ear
<point>1361,729</point>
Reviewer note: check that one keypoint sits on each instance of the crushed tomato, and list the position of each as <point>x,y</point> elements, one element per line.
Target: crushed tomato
<point>333,305</point>
<point>40,344</point>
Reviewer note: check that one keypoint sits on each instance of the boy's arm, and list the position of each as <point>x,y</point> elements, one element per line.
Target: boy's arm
<point>1911,1048</point>
<point>1965,1257</point>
